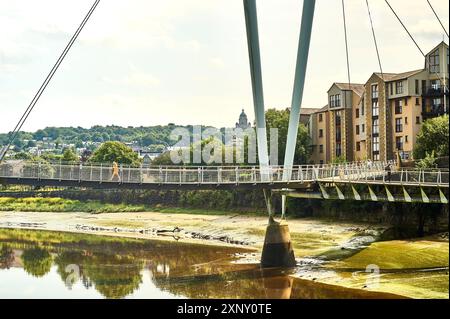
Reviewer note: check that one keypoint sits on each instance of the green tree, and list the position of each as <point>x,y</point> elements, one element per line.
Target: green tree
<point>429,161</point>
<point>280,119</point>
<point>115,151</point>
<point>69,156</point>
<point>433,137</point>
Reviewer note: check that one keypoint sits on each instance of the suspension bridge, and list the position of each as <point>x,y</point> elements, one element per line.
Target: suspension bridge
<point>308,181</point>
<point>344,182</point>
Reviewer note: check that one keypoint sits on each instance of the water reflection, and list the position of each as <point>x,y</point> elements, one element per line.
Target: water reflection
<point>118,268</point>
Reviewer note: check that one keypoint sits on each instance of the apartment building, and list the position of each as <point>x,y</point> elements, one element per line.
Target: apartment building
<point>382,117</point>
<point>319,122</point>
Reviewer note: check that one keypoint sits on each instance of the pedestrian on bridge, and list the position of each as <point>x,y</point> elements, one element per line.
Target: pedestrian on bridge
<point>115,172</point>
<point>388,170</point>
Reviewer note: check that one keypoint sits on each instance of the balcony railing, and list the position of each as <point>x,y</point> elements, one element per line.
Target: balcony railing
<point>434,91</point>
<point>434,110</point>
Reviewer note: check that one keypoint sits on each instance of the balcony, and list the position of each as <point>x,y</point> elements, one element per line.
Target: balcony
<point>434,91</point>
<point>429,111</point>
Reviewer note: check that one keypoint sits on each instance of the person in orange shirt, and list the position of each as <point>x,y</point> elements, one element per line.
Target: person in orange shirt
<point>115,172</point>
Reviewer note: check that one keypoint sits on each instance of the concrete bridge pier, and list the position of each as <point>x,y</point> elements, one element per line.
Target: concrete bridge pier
<point>277,249</point>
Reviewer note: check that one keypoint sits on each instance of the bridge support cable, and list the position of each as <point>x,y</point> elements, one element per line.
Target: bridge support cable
<point>375,40</point>
<point>437,17</point>
<point>346,48</point>
<point>251,22</point>
<point>47,80</point>
<point>442,78</point>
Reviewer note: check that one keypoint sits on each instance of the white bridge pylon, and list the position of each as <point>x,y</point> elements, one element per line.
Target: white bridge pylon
<point>251,21</point>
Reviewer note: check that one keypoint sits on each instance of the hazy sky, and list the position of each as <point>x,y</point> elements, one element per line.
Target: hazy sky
<point>147,62</point>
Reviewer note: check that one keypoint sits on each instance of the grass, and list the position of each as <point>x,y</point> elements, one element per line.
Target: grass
<point>38,204</point>
<point>57,204</point>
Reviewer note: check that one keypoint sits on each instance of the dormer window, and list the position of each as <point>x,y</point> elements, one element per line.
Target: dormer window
<point>433,61</point>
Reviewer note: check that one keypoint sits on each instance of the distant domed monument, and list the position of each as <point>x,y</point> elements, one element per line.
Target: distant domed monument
<point>243,121</point>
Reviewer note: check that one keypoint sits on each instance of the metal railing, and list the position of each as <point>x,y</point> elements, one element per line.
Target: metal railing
<point>102,173</point>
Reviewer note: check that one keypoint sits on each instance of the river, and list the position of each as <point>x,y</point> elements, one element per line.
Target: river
<point>50,264</point>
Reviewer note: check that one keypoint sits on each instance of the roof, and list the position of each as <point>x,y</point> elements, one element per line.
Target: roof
<point>437,46</point>
<point>356,87</point>
<point>308,110</point>
<point>323,109</point>
<point>388,77</point>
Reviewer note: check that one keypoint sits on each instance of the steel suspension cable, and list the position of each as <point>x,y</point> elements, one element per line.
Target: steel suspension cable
<point>346,45</point>
<point>404,27</point>
<point>415,42</point>
<point>44,85</point>
<point>375,39</point>
<point>437,17</point>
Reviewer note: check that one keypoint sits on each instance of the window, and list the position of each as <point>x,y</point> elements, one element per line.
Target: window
<point>338,149</point>
<point>406,139</point>
<point>398,125</point>
<point>435,84</point>
<point>320,133</point>
<point>320,148</point>
<point>424,86</point>
<point>363,128</point>
<point>337,118</point>
<point>399,87</point>
<point>374,91</point>
<point>357,113</point>
<point>417,101</point>
<point>357,129</point>
<point>358,146</point>
<point>376,148</point>
<point>362,108</point>
<point>391,88</point>
<point>398,106</point>
<point>335,100</point>
<point>320,117</point>
<point>417,119</point>
<point>338,100</point>
<point>375,109</point>
<point>399,143</point>
<point>416,86</point>
<point>321,162</point>
<point>406,121</point>
<point>375,127</point>
<point>433,61</point>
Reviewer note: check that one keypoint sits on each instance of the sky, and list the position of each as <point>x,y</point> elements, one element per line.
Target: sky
<point>153,62</point>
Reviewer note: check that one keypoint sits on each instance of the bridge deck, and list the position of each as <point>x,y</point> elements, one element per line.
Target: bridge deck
<point>224,177</point>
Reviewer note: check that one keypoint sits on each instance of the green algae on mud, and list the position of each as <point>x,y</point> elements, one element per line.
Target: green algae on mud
<point>416,268</point>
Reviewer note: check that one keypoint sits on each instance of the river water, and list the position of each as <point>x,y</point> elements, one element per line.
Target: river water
<point>46,264</point>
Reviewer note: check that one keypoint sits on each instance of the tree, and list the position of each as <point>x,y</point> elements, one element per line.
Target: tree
<point>31,143</point>
<point>115,151</point>
<point>433,137</point>
<point>69,156</point>
<point>429,161</point>
<point>280,119</point>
